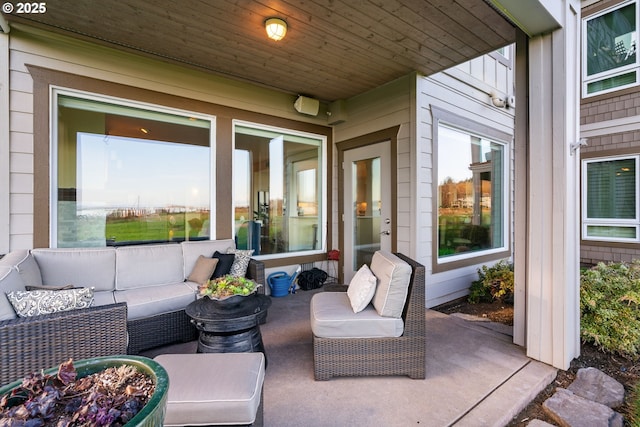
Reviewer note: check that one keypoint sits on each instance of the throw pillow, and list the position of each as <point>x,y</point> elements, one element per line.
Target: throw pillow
<point>203,270</point>
<point>240,262</point>
<point>48,288</point>
<point>361,289</point>
<point>225,261</point>
<point>34,303</point>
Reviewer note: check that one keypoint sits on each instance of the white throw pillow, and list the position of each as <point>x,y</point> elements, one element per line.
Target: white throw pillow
<point>361,289</point>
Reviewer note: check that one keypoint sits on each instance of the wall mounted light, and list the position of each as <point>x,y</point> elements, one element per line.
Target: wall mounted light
<point>276,28</point>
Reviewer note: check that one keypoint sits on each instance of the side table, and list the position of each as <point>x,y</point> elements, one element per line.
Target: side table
<point>233,329</point>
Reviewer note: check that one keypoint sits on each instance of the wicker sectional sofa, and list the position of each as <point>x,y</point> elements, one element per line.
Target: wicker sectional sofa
<point>140,293</point>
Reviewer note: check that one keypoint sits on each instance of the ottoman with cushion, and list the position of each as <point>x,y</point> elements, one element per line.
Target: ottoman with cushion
<point>214,388</point>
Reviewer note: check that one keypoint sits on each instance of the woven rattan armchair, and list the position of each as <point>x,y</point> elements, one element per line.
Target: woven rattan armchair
<point>30,344</point>
<point>403,355</point>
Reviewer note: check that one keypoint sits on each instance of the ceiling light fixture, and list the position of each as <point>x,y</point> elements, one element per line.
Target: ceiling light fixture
<point>276,28</point>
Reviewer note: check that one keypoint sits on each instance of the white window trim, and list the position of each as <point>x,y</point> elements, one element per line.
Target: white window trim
<point>56,91</point>
<point>323,215</point>
<point>610,222</point>
<point>586,80</point>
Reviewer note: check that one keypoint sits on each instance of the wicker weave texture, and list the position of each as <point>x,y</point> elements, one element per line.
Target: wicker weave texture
<point>404,355</point>
<point>168,328</point>
<point>160,330</point>
<point>40,342</point>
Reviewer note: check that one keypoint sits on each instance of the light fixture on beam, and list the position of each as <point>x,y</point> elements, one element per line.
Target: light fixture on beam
<point>276,28</point>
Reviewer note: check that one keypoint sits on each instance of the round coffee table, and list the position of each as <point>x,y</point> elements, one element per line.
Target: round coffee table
<point>229,329</point>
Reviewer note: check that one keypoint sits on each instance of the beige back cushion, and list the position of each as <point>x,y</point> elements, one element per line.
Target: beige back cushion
<point>393,276</point>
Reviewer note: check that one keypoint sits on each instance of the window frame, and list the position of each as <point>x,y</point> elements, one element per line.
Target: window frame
<point>610,222</point>
<point>56,91</point>
<point>454,121</point>
<point>615,72</point>
<point>322,179</point>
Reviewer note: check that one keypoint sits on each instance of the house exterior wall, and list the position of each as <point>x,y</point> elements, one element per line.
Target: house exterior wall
<point>610,123</point>
<point>463,90</point>
<point>27,47</point>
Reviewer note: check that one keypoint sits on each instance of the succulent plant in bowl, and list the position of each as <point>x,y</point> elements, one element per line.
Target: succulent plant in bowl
<point>228,286</point>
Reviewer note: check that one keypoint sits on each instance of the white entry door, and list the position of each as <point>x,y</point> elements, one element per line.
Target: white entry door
<point>368,217</point>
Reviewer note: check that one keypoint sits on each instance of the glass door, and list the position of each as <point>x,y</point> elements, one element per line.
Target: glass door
<point>367,205</point>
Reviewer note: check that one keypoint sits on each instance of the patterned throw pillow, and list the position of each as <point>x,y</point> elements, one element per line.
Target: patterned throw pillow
<point>34,303</point>
<point>241,261</point>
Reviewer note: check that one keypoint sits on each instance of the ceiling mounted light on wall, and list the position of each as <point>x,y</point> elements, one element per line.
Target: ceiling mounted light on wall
<point>276,28</point>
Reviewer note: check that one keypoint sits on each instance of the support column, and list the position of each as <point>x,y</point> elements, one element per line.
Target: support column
<point>551,261</point>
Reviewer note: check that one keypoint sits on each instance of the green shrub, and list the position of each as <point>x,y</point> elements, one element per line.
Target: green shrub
<point>494,283</point>
<point>610,307</point>
<point>634,407</point>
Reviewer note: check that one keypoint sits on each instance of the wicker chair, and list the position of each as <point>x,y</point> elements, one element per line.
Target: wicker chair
<point>34,343</point>
<point>403,355</point>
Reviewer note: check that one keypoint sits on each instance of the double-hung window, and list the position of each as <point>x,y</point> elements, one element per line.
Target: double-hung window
<point>610,199</point>
<point>125,173</point>
<point>610,41</point>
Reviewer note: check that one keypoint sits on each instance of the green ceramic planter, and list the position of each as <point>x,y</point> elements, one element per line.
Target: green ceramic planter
<point>152,415</point>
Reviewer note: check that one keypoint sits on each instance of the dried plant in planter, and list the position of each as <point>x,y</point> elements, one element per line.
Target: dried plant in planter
<point>110,397</point>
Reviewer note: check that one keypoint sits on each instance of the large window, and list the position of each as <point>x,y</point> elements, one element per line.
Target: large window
<point>609,199</point>
<point>127,173</point>
<point>472,183</point>
<point>278,190</point>
<point>610,42</point>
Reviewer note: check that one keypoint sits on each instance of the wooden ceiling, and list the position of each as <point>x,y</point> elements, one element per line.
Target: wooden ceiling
<point>334,49</point>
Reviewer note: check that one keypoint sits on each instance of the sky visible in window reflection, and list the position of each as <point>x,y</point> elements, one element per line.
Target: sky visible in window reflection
<point>120,172</point>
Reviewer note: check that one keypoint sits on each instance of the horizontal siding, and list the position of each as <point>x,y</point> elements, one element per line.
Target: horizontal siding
<point>468,98</point>
<point>382,108</point>
<point>5,174</point>
<point>38,48</point>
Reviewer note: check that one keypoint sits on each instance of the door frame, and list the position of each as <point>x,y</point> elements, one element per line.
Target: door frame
<point>391,135</point>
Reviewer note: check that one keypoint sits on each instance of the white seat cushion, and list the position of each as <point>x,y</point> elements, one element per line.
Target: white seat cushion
<point>153,300</point>
<point>393,276</point>
<point>333,317</point>
<point>213,388</point>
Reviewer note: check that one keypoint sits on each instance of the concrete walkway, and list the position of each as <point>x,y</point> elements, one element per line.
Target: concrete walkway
<point>475,377</point>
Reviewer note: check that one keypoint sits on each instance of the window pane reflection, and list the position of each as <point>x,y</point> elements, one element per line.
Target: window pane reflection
<point>277,190</point>
<point>129,175</point>
<point>470,193</point>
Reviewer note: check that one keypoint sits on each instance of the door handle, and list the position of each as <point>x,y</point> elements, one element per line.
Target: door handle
<point>386,232</point>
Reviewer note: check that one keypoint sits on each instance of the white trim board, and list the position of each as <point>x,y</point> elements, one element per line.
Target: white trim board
<point>625,124</point>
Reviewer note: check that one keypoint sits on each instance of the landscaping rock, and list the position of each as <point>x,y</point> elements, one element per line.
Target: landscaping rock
<point>593,384</point>
<point>539,423</point>
<point>570,410</point>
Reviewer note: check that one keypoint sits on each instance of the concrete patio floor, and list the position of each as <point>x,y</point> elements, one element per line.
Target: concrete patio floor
<point>475,377</point>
